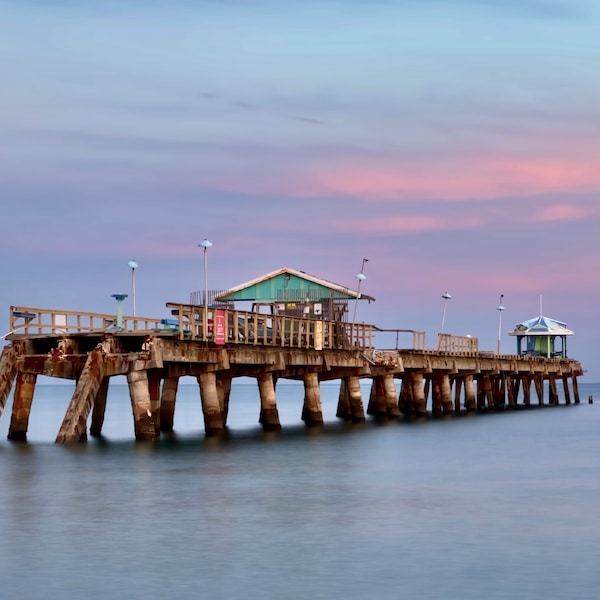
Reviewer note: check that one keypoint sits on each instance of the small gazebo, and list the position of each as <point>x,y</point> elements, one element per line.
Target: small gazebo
<point>542,336</point>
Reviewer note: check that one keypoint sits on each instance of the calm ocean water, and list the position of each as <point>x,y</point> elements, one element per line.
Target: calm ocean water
<point>500,506</point>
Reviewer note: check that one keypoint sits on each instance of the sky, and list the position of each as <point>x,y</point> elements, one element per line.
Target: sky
<point>455,144</point>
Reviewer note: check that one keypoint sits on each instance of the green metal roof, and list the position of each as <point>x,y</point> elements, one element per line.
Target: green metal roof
<point>291,285</point>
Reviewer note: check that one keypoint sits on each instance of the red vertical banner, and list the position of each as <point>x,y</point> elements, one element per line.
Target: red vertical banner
<point>220,326</point>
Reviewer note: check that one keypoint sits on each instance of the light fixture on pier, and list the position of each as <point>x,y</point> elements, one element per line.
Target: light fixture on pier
<point>446,296</point>
<point>499,308</point>
<point>119,298</point>
<point>206,244</point>
<point>133,266</point>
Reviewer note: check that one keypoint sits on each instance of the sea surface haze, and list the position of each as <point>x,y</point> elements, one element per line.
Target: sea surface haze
<point>495,506</point>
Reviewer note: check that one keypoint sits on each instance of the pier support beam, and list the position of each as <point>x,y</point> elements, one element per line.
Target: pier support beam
<point>391,401</point>
<point>566,390</point>
<point>499,392</point>
<point>539,388</point>
<point>418,394</point>
<point>141,406</point>
<point>209,396</point>
<point>446,394</point>
<point>526,385</point>
<point>74,426</point>
<point>99,408</point>
<point>167,403</point>
<point>350,405</point>
<point>552,391</point>
<point>436,395</point>
<point>458,385</point>
<point>357,410</point>
<point>470,398</point>
<point>224,392</point>
<point>343,405</point>
<point>23,397</point>
<point>575,389</point>
<point>510,390</point>
<point>312,413</point>
<point>154,379</point>
<point>377,400</point>
<point>269,415</point>
<point>8,372</point>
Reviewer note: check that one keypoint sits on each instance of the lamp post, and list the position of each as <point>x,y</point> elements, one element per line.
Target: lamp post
<point>206,244</point>
<point>133,266</point>
<point>361,277</point>
<point>499,308</point>
<point>119,298</point>
<point>446,296</point>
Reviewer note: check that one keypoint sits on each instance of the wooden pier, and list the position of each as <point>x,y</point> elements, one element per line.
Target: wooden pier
<point>216,348</point>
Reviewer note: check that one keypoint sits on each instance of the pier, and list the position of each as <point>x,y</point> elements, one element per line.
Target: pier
<point>218,345</point>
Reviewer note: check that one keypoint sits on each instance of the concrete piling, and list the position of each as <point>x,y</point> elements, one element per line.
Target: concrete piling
<point>312,413</point>
<point>211,409</point>
<point>21,409</point>
<point>141,406</point>
<point>167,403</point>
<point>269,415</point>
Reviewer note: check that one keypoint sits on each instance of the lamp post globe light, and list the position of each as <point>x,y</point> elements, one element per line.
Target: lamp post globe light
<point>446,296</point>
<point>206,244</point>
<point>133,266</point>
<point>499,308</point>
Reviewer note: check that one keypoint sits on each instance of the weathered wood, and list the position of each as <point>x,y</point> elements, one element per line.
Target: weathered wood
<point>269,415</point>
<point>73,428</point>
<point>23,397</point>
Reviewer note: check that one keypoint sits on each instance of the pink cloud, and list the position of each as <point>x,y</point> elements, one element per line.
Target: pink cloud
<point>451,179</point>
<point>563,212</point>
<point>405,224</point>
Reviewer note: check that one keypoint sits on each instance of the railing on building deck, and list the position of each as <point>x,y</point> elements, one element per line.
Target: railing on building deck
<point>243,327</point>
<point>44,321</point>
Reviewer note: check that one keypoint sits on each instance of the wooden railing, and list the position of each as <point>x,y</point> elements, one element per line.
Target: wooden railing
<point>223,325</point>
<point>243,327</point>
<point>44,321</point>
<point>457,343</point>
<point>392,338</point>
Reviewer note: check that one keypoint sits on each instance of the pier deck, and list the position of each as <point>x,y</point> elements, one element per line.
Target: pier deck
<point>154,353</point>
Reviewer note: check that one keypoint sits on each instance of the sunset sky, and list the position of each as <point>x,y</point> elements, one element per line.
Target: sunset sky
<point>453,143</point>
